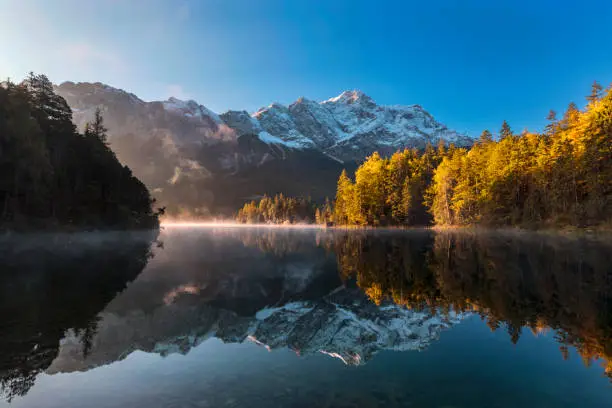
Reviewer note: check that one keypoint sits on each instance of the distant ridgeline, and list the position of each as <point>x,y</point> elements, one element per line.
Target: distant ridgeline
<point>561,177</point>
<point>51,176</point>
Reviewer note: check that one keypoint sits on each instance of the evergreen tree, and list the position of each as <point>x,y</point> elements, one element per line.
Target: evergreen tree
<point>344,197</point>
<point>51,176</point>
<point>505,131</point>
<point>596,92</point>
<point>370,189</point>
<point>570,117</point>
<point>485,137</point>
<point>281,210</point>
<point>552,125</point>
<point>96,128</point>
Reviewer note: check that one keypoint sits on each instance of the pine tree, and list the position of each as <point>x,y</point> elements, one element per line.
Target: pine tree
<point>551,127</point>
<point>596,92</point>
<point>485,137</point>
<point>505,131</point>
<point>344,199</point>
<point>571,115</point>
<point>96,128</point>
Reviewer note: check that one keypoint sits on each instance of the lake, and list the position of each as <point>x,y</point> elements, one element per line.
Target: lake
<point>288,317</point>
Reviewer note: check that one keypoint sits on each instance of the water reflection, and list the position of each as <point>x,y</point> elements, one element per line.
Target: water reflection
<point>55,283</point>
<point>347,294</point>
<point>516,281</point>
<point>276,289</point>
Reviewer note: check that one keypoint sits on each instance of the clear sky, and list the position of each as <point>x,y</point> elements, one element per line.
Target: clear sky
<point>470,63</point>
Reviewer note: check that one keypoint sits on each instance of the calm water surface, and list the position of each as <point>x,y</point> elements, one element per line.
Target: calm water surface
<point>263,317</point>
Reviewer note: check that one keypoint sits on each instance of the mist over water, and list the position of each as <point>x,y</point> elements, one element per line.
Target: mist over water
<point>228,315</point>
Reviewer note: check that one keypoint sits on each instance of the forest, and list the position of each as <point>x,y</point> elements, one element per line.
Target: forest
<point>277,210</point>
<point>52,176</point>
<point>560,177</point>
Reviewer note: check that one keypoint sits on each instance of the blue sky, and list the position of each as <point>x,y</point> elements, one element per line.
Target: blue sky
<point>470,63</point>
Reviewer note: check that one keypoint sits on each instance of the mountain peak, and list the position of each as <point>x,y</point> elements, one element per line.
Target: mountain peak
<point>190,109</point>
<point>349,97</point>
<point>188,102</point>
<point>302,99</point>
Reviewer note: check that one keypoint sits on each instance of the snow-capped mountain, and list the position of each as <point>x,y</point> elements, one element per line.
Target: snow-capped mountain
<point>199,163</point>
<point>349,126</point>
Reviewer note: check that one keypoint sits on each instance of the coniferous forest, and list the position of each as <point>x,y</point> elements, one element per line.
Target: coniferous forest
<point>52,176</point>
<point>560,177</point>
<point>277,210</point>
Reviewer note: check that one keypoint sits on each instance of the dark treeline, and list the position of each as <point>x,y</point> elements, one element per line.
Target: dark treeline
<point>52,176</point>
<point>514,282</point>
<point>561,177</point>
<point>53,284</point>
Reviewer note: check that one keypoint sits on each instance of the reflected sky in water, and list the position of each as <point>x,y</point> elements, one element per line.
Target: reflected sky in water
<point>258,317</point>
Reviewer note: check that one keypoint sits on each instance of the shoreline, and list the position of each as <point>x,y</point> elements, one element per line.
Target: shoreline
<point>598,232</point>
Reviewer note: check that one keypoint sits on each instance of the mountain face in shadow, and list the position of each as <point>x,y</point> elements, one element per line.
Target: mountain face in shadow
<point>51,284</point>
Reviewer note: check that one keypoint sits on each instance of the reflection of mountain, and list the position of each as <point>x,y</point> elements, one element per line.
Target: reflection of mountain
<point>347,325</point>
<point>51,283</point>
<point>349,294</point>
<point>239,293</point>
<point>343,324</point>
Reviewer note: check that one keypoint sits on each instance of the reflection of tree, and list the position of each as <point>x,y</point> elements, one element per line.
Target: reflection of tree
<point>393,265</point>
<point>278,241</point>
<point>516,282</point>
<point>55,284</point>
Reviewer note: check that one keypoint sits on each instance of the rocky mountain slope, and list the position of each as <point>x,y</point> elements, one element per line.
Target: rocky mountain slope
<point>199,163</point>
<point>350,126</point>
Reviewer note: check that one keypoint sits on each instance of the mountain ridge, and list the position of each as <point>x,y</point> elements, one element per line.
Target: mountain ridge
<point>200,164</point>
<point>306,123</point>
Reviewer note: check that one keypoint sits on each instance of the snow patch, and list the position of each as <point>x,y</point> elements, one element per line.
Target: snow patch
<point>295,307</point>
<point>269,139</point>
